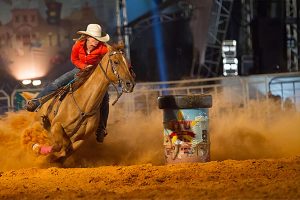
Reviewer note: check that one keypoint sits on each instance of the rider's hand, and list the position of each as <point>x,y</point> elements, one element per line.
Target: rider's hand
<point>88,68</point>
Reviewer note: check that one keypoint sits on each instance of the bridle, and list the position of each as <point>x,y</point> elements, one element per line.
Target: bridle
<point>84,115</point>
<point>114,69</point>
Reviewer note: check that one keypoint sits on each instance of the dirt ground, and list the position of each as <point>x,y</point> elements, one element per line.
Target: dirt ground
<point>248,179</point>
<point>255,155</point>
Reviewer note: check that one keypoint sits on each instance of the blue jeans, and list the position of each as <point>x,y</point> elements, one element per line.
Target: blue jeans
<point>59,82</point>
<point>67,78</point>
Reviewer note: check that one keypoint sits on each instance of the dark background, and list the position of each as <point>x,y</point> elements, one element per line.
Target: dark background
<point>268,40</point>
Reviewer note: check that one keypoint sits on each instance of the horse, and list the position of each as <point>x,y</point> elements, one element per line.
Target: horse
<point>71,121</point>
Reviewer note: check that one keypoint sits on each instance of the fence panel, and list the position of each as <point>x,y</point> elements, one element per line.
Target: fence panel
<point>229,92</point>
<point>4,102</point>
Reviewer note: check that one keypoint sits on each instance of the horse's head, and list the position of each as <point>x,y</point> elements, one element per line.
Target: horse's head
<point>121,72</point>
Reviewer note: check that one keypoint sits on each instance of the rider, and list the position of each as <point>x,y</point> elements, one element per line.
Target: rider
<point>87,52</point>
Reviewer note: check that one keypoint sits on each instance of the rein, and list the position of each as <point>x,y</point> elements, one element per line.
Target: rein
<point>119,94</point>
<point>84,115</point>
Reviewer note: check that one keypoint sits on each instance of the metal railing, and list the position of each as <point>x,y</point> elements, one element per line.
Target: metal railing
<point>233,91</point>
<point>4,102</point>
<point>229,92</point>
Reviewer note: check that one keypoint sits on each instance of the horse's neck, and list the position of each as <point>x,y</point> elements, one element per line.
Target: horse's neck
<point>92,91</point>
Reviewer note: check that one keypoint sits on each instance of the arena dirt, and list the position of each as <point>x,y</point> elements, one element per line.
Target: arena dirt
<point>254,150</point>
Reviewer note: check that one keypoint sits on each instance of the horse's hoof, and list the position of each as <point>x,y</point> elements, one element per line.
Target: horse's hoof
<point>52,158</point>
<point>36,148</point>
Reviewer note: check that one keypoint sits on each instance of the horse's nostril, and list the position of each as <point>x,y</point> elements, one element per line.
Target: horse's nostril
<point>128,84</point>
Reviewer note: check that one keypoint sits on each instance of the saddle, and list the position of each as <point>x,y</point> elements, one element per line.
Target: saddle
<point>61,93</point>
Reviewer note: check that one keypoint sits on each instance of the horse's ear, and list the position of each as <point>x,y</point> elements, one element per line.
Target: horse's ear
<point>29,95</point>
<point>121,44</point>
<point>118,46</point>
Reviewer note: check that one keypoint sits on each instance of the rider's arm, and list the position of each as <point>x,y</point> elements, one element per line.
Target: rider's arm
<point>75,56</point>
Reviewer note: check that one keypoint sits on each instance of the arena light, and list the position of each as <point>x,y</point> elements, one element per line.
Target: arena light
<point>36,82</point>
<point>33,65</point>
<point>225,48</point>
<point>26,82</point>
<point>230,62</point>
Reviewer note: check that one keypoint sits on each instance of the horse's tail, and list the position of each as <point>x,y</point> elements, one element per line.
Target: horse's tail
<point>28,95</point>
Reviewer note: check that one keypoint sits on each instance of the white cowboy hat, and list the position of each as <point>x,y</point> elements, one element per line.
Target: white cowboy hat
<point>95,31</point>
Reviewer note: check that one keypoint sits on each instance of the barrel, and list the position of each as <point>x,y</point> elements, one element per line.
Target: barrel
<point>185,123</point>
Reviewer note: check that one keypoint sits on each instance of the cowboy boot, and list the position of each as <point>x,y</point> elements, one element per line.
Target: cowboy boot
<point>100,134</point>
<point>32,105</point>
<point>101,131</point>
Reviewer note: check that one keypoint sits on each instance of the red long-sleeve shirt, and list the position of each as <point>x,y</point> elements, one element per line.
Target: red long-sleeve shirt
<point>81,59</point>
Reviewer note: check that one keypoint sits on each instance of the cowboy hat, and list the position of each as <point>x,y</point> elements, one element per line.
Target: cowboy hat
<point>95,31</point>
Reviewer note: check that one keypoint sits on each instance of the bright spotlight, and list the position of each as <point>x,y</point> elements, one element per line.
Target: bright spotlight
<point>36,82</point>
<point>26,82</point>
<point>230,62</point>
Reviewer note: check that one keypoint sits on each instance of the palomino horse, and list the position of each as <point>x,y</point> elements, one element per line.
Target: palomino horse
<point>74,119</point>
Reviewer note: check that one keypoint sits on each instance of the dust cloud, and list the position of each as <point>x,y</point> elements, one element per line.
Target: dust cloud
<point>259,130</point>
<point>14,155</point>
<point>133,138</point>
<point>263,129</point>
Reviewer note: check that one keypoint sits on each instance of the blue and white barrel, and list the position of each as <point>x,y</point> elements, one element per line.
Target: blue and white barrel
<point>185,121</point>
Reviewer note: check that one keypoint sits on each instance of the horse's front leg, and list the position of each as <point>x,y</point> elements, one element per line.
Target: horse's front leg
<point>61,144</point>
<point>84,132</point>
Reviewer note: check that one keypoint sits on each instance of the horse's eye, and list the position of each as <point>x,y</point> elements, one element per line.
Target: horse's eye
<point>116,62</point>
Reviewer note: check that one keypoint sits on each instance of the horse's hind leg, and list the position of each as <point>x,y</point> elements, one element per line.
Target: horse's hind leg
<point>61,142</point>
